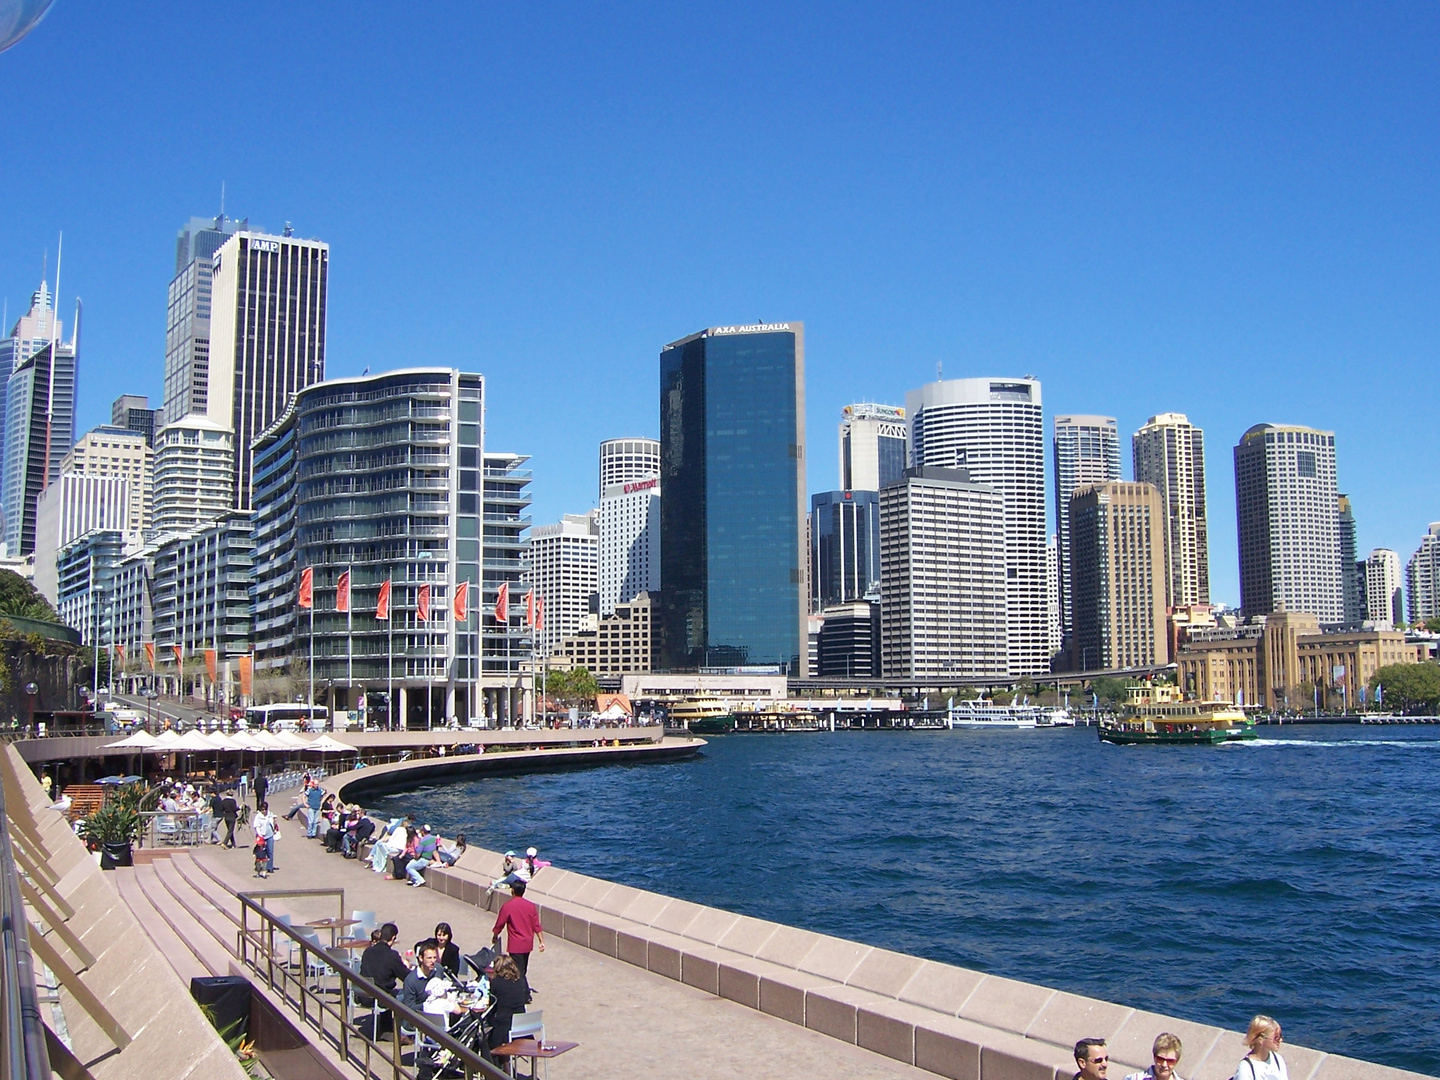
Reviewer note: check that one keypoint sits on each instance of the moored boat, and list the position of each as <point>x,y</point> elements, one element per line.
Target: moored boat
<point>702,716</point>
<point>1160,714</point>
<point>986,715</point>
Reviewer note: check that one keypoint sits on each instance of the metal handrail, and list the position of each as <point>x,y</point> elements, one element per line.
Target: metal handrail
<point>22,1031</point>
<point>264,963</point>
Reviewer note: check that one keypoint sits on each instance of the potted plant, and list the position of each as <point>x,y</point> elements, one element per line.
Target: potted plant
<point>113,828</point>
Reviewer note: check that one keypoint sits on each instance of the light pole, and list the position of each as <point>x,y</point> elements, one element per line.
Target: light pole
<point>30,691</point>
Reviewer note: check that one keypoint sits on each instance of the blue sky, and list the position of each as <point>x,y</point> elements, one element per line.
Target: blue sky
<point>1201,208</point>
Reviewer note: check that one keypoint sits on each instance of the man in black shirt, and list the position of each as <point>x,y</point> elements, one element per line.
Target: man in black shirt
<point>229,813</point>
<point>381,964</point>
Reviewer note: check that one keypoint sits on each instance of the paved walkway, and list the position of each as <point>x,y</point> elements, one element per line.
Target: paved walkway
<point>629,1022</point>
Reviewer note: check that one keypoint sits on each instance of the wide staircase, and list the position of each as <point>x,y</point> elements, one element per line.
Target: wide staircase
<point>191,916</point>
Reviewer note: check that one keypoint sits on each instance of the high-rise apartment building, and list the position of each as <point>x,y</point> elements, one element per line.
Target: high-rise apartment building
<point>39,429</point>
<point>995,429</point>
<point>1086,451</point>
<point>74,505</point>
<point>1384,594</point>
<point>194,473</point>
<point>1422,577</point>
<point>872,446</point>
<point>187,322</point>
<point>1055,630</point>
<point>1169,452</point>
<point>1286,504</point>
<point>565,572</point>
<point>117,451</point>
<point>1352,573</point>
<point>380,476</point>
<point>624,461</point>
<point>732,537</point>
<point>844,547</point>
<point>504,647</point>
<point>629,541</point>
<point>133,411</point>
<point>1117,533</point>
<point>267,336</point>
<point>86,569</point>
<point>944,606</point>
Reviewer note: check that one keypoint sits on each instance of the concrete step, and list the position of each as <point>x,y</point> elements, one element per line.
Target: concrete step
<point>194,874</point>
<point>197,938</point>
<point>175,951</point>
<point>198,905</point>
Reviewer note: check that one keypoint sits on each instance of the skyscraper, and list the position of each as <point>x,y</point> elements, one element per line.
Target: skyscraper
<point>844,547</point>
<point>565,571</point>
<point>1422,577</point>
<point>1288,522</point>
<point>629,541</point>
<point>732,536</point>
<point>872,446</point>
<point>1352,573</point>
<point>133,411</point>
<point>625,460</point>
<point>267,336</point>
<point>943,609</point>
<point>117,451</point>
<point>1117,531</point>
<point>995,428</point>
<point>39,429</point>
<point>1384,595</point>
<point>1169,452</point>
<point>1086,451</point>
<point>187,321</point>
<point>194,473</point>
<point>30,334</point>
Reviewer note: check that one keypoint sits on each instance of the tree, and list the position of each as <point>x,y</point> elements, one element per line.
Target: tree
<point>1302,697</point>
<point>1109,689</point>
<point>1409,687</point>
<point>574,687</point>
<point>1433,625</point>
<point>19,598</point>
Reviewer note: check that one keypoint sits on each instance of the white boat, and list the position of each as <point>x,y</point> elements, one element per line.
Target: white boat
<point>1055,717</point>
<point>986,715</point>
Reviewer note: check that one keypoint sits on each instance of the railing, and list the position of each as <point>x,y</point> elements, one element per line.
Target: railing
<point>22,1032</point>
<point>299,972</point>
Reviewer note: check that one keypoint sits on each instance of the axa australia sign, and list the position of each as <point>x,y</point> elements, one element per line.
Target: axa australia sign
<point>752,328</point>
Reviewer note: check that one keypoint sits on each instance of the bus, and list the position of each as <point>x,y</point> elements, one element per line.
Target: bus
<point>287,717</point>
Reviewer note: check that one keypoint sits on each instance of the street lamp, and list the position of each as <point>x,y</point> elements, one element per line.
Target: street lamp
<point>30,691</point>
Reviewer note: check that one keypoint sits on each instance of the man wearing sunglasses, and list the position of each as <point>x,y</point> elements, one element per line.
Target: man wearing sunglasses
<point>1092,1057</point>
<point>1166,1053</point>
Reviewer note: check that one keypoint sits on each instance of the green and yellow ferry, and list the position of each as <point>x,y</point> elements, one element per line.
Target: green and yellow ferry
<point>1159,714</point>
<point>702,715</point>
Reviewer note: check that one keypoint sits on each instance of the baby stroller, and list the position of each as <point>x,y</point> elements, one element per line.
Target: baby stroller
<point>470,1031</point>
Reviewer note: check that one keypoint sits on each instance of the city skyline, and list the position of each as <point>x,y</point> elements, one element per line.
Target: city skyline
<point>1057,277</point>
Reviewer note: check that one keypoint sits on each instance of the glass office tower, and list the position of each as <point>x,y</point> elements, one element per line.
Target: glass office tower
<point>732,522</point>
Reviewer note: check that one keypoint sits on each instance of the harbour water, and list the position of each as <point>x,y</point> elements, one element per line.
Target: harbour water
<point>1298,875</point>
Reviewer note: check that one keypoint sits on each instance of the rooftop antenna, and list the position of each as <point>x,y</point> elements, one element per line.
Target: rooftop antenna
<point>939,371</point>
<point>221,222</point>
<point>54,344</point>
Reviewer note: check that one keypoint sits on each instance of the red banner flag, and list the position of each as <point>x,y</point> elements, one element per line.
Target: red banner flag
<point>307,587</point>
<point>211,667</point>
<point>247,668</point>
<point>150,654</point>
<point>382,603</point>
<point>120,652</point>
<point>179,652</point>
<point>342,592</point>
<point>462,602</point>
<point>530,609</point>
<point>502,603</point>
<point>422,603</point>
<point>540,614</point>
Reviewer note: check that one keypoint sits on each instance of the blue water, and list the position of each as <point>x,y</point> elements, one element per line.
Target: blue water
<point>1295,876</point>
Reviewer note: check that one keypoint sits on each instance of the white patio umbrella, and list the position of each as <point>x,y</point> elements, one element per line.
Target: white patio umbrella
<point>326,745</point>
<point>139,740</point>
<point>191,741</point>
<point>167,739</point>
<point>264,740</point>
<point>291,741</point>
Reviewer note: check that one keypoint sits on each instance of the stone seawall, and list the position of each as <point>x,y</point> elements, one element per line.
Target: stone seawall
<point>957,1023</point>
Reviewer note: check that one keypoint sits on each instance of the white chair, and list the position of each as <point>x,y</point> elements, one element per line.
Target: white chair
<point>368,920</point>
<point>528,1025</point>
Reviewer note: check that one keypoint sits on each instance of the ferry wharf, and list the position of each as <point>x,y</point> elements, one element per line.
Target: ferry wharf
<point>647,985</point>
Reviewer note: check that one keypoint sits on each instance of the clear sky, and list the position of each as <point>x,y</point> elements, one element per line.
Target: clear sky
<point>1204,208</point>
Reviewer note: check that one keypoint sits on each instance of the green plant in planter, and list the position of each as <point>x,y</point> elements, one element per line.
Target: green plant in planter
<point>115,826</point>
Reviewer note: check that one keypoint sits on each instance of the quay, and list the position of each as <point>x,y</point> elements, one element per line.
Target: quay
<point>647,985</point>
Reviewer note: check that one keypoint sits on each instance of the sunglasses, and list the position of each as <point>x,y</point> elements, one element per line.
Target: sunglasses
<point>1167,1060</point>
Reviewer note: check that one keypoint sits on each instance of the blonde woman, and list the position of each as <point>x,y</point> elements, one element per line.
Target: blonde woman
<point>1166,1055</point>
<point>1263,1062</point>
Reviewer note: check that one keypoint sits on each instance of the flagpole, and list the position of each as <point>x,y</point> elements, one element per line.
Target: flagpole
<point>349,635</point>
<point>389,656</point>
<point>312,657</point>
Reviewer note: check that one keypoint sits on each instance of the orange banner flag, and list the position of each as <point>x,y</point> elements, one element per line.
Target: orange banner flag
<point>382,603</point>
<point>120,652</point>
<point>150,654</point>
<point>342,592</point>
<point>422,603</point>
<point>179,652</point>
<point>210,667</point>
<point>307,587</point>
<point>462,601</point>
<point>247,668</point>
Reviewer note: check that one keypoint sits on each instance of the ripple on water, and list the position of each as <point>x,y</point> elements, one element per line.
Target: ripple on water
<point>1295,877</point>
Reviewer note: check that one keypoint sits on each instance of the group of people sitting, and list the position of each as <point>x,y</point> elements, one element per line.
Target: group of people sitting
<point>1262,1062</point>
<point>407,850</point>
<point>475,998</point>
